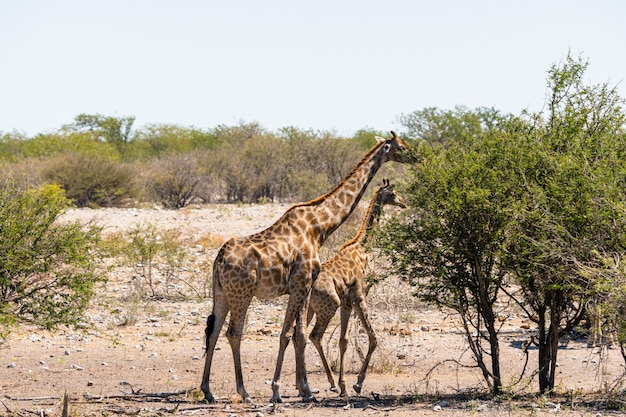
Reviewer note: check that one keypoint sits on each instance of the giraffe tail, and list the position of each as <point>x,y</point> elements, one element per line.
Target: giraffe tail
<point>210,324</point>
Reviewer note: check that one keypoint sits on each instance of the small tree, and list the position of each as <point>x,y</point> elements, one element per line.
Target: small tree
<point>118,131</point>
<point>450,247</point>
<point>47,268</point>
<point>570,206</point>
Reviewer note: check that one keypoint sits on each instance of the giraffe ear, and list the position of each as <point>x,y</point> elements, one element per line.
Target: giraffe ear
<point>379,139</point>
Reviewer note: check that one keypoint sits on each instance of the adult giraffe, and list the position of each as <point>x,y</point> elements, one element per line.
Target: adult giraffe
<point>284,259</point>
<point>341,282</point>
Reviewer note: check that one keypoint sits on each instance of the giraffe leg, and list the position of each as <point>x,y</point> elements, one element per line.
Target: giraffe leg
<point>361,309</point>
<point>309,318</point>
<point>346,310</point>
<point>234,333</point>
<point>294,321</point>
<point>299,345</point>
<point>321,324</point>
<point>215,321</point>
<point>595,332</point>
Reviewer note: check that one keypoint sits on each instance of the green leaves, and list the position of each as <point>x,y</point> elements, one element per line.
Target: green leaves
<point>47,269</point>
<point>530,200</point>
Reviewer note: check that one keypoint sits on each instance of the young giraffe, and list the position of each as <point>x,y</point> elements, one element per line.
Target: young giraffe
<point>284,259</point>
<point>341,282</point>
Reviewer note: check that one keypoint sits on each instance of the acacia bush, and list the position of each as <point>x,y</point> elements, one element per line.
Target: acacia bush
<point>92,181</point>
<point>525,209</point>
<point>47,268</point>
<point>174,181</point>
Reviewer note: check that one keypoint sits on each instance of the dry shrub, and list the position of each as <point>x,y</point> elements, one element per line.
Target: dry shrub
<point>211,241</point>
<point>173,180</point>
<point>91,180</point>
<point>25,173</point>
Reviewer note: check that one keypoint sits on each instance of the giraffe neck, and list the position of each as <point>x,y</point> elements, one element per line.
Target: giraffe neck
<point>371,216</point>
<point>342,201</point>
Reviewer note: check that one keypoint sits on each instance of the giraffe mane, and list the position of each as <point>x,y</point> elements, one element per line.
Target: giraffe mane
<point>321,198</point>
<point>364,224</point>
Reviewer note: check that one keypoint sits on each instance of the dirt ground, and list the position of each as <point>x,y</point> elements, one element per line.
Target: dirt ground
<point>144,356</point>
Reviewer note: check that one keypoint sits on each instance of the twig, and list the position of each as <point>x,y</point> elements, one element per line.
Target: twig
<point>48,397</point>
<point>386,409</point>
<point>7,408</point>
<point>127,411</point>
<point>139,395</point>
<point>66,405</point>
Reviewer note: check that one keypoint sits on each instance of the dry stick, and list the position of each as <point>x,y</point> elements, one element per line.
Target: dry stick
<point>379,409</point>
<point>7,408</point>
<point>138,395</point>
<point>120,410</point>
<point>66,405</point>
<point>37,413</point>
<point>181,329</point>
<point>48,397</point>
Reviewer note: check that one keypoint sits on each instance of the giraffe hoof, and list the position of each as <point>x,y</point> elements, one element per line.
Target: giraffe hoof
<point>334,389</point>
<point>309,399</point>
<point>356,388</point>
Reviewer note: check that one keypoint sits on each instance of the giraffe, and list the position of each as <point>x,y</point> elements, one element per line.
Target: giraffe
<point>284,259</point>
<point>341,282</point>
<point>602,331</point>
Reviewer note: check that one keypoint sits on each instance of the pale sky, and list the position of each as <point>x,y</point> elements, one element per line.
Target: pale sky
<point>323,65</point>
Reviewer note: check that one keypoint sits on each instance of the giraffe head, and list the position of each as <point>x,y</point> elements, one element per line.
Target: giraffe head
<point>396,149</point>
<point>388,195</point>
<point>384,195</point>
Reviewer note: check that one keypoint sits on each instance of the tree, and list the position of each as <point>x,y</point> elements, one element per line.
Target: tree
<point>571,209</point>
<point>438,127</point>
<point>535,199</point>
<point>450,246</point>
<point>47,268</point>
<point>117,131</point>
<point>157,140</point>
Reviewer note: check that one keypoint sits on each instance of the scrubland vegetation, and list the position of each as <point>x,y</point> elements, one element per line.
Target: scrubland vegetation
<point>527,208</point>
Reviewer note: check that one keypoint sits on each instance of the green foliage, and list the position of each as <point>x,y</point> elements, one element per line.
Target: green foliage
<point>47,273</point>
<point>158,140</point>
<point>533,199</point>
<point>574,207</point>
<point>439,127</point>
<point>450,248</point>
<point>91,180</point>
<point>53,144</point>
<point>11,146</point>
<point>117,131</point>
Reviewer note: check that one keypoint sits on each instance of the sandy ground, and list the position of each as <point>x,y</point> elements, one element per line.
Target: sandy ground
<point>144,356</point>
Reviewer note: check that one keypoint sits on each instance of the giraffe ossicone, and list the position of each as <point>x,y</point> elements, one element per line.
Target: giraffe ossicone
<point>284,259</point>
